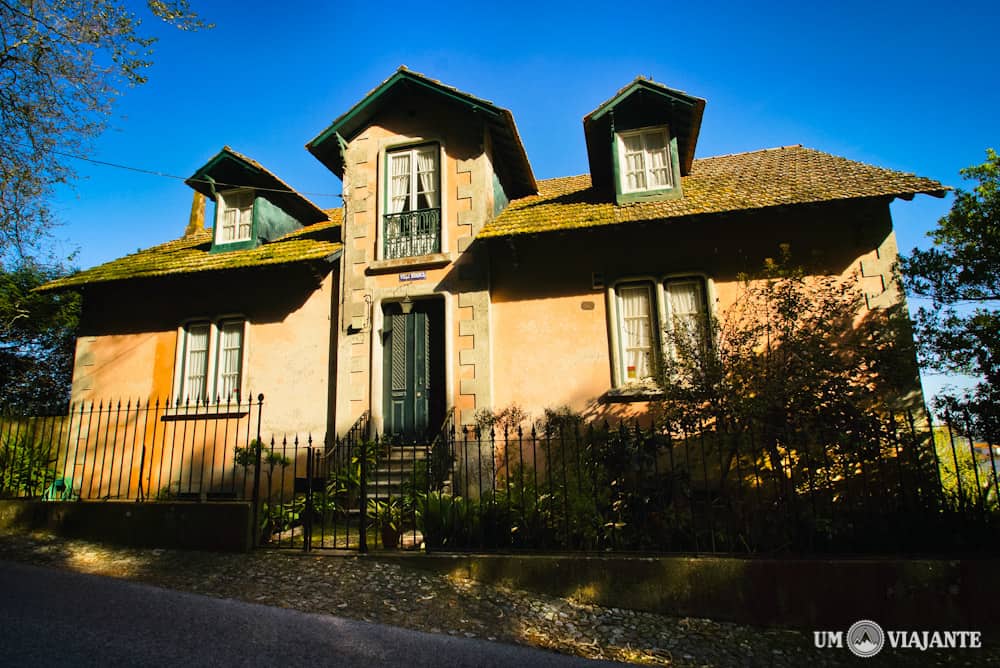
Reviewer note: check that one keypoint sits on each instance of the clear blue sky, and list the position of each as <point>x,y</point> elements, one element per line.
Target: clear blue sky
<point>913,86</point>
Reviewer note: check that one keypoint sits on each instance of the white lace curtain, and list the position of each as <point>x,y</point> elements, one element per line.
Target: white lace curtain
<point>197,364</point>
<point>413,180</point>
<point>231,353</point>
<point>687,310</point>
<point>399,183</point>
<point>427,174</point>
<point>637,335</point>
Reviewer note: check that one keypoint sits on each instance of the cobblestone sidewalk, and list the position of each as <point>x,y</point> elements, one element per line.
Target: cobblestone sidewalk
<point>366,588</point>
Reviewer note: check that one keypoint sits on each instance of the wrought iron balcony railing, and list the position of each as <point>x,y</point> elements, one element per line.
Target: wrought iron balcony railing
<point>412,233</point>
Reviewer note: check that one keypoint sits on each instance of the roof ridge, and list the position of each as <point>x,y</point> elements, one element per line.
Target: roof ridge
<point>569,176</point>
<point>758,150</point>
<point>256,163</point>
<point>715,157</point>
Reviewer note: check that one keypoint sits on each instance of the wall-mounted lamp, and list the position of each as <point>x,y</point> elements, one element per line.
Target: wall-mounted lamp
<point>406,305</point>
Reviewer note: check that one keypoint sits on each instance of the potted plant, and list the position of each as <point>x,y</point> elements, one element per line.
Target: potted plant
<point>387,516</point>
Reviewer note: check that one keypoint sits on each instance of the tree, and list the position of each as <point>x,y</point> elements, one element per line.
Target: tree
<point>796,359</point>
<point>62,65</point>
<point>37,338</point>
<point>791,344</point>
<point>960,275</point>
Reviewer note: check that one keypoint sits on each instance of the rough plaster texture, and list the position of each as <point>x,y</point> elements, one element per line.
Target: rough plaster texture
<point>129,339</point>
<point>466,203</point>
<point>552,334</point>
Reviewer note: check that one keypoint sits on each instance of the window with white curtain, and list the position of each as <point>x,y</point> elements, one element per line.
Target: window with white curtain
<point>686,316</point>
<point>210,362</point>
<point>195,361</point>
<point>413,179</point>
<point>234,220</point>
<point>644,160</point>
<point>645,311</point>
<point>635,315</point>
<point>227,386</point>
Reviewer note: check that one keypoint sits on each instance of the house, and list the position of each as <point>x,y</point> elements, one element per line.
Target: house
<point>452,278</point>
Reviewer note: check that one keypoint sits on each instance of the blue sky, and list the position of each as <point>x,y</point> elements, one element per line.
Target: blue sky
<point>912,86</point>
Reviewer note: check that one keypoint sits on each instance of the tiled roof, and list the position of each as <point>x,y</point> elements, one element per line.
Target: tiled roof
<point>742,182</point>
<point>189,255</point>
<point>261,179</point>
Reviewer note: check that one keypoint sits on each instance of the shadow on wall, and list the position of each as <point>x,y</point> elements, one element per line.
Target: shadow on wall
<point>263,294</point>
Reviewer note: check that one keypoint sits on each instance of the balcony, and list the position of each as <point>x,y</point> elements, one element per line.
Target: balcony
<point>412,233</point>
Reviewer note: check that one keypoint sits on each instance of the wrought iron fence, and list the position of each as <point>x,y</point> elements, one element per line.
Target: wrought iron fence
<point>132,450</point>
<point>883,485</point>
<point>878,485</point>
<point>412,233</point>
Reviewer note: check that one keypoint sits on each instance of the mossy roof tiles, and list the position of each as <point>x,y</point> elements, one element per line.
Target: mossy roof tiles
<point>785,176</point>
<point>190,255</point>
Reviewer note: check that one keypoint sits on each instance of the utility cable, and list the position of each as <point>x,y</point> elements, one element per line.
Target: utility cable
<point>152,172</point>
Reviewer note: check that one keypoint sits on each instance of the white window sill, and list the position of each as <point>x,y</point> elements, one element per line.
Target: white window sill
<point>431,261</point>
<point>209,412</point>
<point>630,393</point>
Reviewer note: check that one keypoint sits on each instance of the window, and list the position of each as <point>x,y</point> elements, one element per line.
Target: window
<point>234,221</point>
<point>210,362</point>
<point>413,214</point>
<point>413,179</point>
<point>686,314</point>
<point>647,309</point>
<point>644,162</point>
<point>635,311</point>
<point>195,371</point>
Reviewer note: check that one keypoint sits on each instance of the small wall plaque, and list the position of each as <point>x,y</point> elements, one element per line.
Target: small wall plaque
<point>413,276</point>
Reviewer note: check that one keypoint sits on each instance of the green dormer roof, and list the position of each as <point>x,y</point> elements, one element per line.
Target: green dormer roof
<point>511,156</point>
<point>230,169</point>
<point>642,103</point>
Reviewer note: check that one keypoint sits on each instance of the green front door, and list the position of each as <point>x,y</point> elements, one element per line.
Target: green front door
<point>411,385</point>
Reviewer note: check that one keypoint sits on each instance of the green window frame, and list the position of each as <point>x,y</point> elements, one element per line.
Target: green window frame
<point>235,220</point>
<point>646,165</point>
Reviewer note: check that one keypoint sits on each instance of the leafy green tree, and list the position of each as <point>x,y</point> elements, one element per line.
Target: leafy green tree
<point>959,332</point>
<point>62,65</point>
<point>37,338</point>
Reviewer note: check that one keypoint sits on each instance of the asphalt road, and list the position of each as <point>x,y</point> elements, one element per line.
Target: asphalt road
<point>50,617</point>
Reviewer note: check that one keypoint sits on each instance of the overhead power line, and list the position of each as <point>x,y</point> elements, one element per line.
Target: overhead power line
<point>153,172</point>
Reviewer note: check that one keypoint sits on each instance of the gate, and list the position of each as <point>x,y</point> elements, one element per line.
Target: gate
<point>356,493</point>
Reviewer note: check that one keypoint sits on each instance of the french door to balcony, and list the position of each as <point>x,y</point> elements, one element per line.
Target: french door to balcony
<point>413,369</point>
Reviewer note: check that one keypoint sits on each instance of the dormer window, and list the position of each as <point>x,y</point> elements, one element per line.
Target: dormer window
<point>412,223</point>
<point>234,221</point>
<point>641,141</point>
<point>647,164</point>
<point>645,156</point>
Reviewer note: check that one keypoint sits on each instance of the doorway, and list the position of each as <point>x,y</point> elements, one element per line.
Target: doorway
<point>413,370</point>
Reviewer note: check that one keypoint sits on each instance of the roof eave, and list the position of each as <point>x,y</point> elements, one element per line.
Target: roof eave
<point>68,284</point>
<point>326,146</point>
<point>646,84</point>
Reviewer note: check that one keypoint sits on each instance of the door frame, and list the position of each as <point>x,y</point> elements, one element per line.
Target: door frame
<point>377,367</point>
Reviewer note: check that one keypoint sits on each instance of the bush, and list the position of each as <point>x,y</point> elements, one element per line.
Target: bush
<point>27,468</point>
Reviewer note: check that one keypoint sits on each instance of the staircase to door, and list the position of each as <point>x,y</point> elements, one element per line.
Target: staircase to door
<point>367,476</point>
